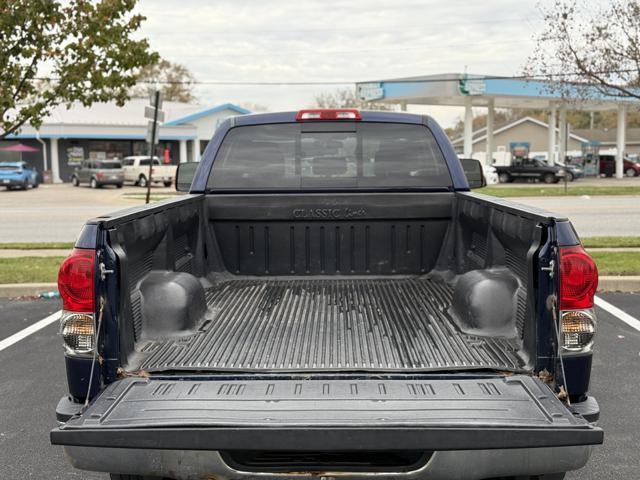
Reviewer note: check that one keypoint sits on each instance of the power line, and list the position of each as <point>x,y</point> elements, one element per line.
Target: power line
<point>537,77</point>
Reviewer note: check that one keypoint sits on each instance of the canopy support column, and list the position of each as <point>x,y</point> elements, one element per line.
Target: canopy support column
<point>468,128</point>
<point>562,150</point>
<point>490,125</point>
<point>620,140</point>
<point>55,162</point>
<point>551,149</point>
<point>183,151</point>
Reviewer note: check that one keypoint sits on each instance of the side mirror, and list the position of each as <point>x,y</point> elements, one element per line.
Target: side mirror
<point>184,175</point>
<point>473,170</point>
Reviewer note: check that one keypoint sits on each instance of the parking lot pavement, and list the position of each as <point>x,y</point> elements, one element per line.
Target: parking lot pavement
<point>32,380</point>
<point>56,213</point>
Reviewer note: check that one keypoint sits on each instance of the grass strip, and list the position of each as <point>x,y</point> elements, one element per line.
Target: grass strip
<point>617,263</point>
<point>557,191</point>
<point>45,269</point>
<point>610,242</point>
<point>29,269</point>
<point>36,245</point>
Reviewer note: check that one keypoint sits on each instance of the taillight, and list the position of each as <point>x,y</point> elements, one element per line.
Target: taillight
<point>578,278</point>
<point>99,174</point>
<point>578,284</point>
<point>329,114</point>
<point>76,281</point>
<point>76,285</point>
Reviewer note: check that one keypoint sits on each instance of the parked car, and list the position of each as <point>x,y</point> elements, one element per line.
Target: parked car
<point>572,171</point>
<point>490,174</point>
<point>18,175</point>
<point>98,173</point>
<point>136,170</point>
<point>532,169</point>
<point>608,166</point>
<point>364,316</point>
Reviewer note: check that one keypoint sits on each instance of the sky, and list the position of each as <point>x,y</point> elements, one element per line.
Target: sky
<point>336,41</point>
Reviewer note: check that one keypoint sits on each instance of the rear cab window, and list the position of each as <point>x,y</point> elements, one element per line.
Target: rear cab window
<point>146,161</point>
<point>109,165</point>
<point>329,155</point>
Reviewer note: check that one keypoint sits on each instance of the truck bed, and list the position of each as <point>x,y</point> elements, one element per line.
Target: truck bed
<point>347,324</point>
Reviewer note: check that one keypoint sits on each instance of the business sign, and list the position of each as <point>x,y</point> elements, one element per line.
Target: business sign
<point>519,149</point>
<point>471,85</point>
<point>370,91</point>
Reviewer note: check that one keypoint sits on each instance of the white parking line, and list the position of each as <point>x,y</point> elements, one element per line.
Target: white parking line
<point>39,325</point>
<point>616,312</point>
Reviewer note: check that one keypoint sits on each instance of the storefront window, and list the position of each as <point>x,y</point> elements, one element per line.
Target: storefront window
<point>103,150</point>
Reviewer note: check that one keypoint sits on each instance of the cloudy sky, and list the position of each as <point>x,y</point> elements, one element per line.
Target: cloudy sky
<point>336,41</point>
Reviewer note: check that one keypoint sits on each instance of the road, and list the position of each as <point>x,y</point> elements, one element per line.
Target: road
<point>56,213</point>
<point>594,216</point>
<point>33,379</point>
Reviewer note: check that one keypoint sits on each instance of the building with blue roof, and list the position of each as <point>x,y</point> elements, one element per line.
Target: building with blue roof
<point>106,130</point>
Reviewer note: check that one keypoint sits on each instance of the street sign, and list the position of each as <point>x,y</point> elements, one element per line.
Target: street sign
<point>150,111</point>
<point>150,135</point>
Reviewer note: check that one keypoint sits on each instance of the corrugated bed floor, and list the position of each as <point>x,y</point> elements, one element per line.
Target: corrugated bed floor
<point>312,325</point>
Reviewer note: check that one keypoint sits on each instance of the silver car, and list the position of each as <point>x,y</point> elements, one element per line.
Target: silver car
<point>98,173</point>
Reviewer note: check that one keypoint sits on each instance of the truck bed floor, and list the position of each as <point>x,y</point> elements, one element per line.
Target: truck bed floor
<point>397,324</point>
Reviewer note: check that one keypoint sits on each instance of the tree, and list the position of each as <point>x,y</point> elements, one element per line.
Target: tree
<point>54,52</point>
<point>593,45</point>
<point>176,80</point>
<point>346,98</point>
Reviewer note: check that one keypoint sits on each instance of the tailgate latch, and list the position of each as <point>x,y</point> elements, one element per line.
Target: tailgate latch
<point>103,271</point>
<point>551,268</point>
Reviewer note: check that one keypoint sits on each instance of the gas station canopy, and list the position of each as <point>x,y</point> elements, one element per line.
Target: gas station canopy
<point>466,90</point>
<point>456,89</point>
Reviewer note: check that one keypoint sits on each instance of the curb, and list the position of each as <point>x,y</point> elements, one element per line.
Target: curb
<point>9,290</point>
<point>627,283</point>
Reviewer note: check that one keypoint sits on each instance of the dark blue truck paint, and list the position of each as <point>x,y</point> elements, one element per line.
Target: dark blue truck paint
<point>552,233</point>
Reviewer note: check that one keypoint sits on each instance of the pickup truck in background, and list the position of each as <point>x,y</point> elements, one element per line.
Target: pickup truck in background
<point>329,300</point>
<point>136,171</point>
<point>530,169</point>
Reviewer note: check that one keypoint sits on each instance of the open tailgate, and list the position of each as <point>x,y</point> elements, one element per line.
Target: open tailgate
<point>331,414</point>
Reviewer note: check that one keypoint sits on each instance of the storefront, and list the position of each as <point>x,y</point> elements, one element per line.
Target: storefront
<point>105,131</point>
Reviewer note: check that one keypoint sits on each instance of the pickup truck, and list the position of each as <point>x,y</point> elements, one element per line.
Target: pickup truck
<point>530,169</point>
<point>136,170</point>
<point>329,299</point>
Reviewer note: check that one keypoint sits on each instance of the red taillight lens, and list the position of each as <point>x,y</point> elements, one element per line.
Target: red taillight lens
<point>99,174</point>
<point>329,114</point>
<point>578,278</point>
<point>76,281</point>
